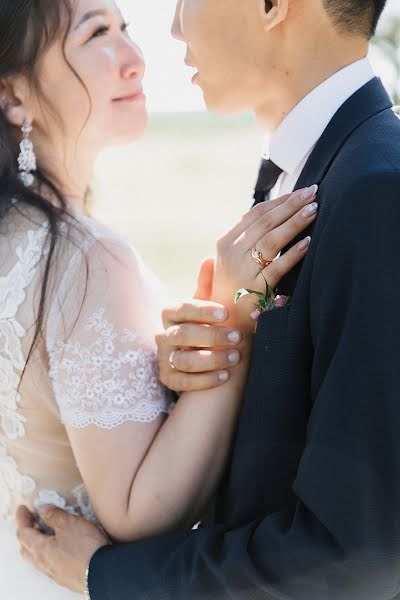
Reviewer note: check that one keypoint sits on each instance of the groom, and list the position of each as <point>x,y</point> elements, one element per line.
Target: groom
<point>309,508</point>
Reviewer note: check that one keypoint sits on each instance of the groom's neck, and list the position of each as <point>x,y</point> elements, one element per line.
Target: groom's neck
<point>302,73</point>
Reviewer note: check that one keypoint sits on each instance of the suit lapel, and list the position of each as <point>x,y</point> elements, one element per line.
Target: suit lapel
<point>370,100</point>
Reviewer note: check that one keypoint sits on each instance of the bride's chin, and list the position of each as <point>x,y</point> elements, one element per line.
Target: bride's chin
<point>131,134</point>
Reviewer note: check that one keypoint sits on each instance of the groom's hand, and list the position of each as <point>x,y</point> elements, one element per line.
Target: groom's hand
<point>196,351</point>
<point>64,556</point>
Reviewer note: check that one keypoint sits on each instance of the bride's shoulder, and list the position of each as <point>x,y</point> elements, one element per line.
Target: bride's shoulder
<point>96,244</point>
<point>106,262</point>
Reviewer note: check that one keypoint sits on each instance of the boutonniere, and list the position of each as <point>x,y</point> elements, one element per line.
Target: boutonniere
<point>269,300</point>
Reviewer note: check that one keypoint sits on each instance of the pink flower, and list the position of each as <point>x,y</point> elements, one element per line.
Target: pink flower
<point>281,301</point>
<point>255,314</point>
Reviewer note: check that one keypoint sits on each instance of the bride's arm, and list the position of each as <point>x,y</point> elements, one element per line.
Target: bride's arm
<point>145,472</point>
<point>145,478</point>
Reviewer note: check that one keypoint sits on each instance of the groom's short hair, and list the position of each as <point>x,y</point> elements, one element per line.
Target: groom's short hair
<point>357,16</point>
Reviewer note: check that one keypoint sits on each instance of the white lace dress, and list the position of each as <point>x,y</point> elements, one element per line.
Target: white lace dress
<point>95,365</point>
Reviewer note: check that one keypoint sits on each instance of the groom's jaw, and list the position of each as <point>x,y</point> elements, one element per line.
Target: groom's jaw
<point>266,56</point>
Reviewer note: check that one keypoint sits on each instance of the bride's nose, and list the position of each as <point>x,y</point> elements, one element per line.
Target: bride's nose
<point>132,62</point>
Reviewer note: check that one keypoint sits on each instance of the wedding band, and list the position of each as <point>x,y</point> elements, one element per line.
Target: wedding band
<point>171,361</point>
<point>260,260</point>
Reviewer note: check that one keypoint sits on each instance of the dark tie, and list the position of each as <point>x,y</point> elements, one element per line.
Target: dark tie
<point>268,176</point>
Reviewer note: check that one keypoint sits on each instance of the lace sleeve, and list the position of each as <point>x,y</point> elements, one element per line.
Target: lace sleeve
<point>101,345</point>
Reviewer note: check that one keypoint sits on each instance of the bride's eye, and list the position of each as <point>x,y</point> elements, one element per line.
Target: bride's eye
<point>100,31</point>
<point>125,26</point>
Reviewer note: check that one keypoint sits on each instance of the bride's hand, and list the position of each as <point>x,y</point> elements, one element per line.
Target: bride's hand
<point>202,339</point>
<point>267,229</point>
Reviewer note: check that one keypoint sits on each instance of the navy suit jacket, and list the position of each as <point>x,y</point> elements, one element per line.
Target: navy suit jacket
<point>309,508</point>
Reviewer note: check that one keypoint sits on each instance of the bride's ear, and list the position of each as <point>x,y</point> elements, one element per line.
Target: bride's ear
<point>273,12</point>
<point>11,102</point>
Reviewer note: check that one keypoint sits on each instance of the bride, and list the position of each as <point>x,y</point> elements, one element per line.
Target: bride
<point>83,418</point>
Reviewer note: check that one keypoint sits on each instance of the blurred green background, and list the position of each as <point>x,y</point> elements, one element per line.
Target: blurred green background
<point>173,193</point>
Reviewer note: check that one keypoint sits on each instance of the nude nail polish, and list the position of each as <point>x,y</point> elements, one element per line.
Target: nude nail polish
<point>309,192</point>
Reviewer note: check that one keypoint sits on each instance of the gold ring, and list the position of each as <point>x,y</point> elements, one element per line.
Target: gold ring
<point>171,361</point>
<point>260,260</point>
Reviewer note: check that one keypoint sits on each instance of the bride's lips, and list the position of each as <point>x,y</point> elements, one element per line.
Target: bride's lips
<point>137,96</point>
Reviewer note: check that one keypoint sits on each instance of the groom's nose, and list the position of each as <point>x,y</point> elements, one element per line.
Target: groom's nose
<point>176,29</point>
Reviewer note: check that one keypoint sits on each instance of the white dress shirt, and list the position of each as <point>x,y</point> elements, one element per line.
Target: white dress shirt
<point>291,144</point>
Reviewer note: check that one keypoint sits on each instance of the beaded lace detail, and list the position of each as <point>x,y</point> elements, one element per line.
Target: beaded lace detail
<point>111,380</point>
<point>101,374</point>
<point>79,506</point>
<point>12,483</point>
<point>12,294</point>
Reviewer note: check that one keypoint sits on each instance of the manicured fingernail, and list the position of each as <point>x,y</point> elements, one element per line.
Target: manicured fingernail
<point>310,210</point>
<point>220,314</point>
<point>234,337</point>
<point>233,357</point>
<point>304,244</point>
<point>223,376</point>
<point>309,192</point>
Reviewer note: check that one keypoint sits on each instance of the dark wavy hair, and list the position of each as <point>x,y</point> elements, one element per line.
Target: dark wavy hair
<point>27,29</point>
<point>356,16</point>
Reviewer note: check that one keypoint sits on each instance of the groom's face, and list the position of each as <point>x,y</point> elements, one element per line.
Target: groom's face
<point>224,40</point>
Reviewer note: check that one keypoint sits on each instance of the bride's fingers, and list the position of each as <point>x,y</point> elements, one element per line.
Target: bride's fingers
<point>252,216</point>
<point>280,215</point>
<point>189,382</point>
<point>285,263</point>
<point>205,279</point>
<point>195,311</point>
<point>194,335</point>
<point>203,361</point>
<point>277,239</point>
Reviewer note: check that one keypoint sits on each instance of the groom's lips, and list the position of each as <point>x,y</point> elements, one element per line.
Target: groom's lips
<point>187,63</point>
<point>196,75</point>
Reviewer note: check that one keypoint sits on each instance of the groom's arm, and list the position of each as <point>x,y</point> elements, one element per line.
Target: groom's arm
<point>341,535</point>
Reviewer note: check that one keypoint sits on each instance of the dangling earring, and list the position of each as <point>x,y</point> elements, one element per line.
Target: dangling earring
<point>26,158</point>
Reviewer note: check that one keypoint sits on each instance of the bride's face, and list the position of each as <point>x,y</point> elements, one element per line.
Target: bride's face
<point>93,79</point>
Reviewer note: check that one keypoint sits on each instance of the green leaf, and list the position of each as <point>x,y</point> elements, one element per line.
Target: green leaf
<point>263,304</point>
<point>245,292</point>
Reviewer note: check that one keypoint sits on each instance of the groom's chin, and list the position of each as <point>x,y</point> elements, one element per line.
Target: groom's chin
<point>220,107</point>
<point>219,102</point>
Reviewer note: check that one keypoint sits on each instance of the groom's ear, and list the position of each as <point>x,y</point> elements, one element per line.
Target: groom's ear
<point>273,12</point>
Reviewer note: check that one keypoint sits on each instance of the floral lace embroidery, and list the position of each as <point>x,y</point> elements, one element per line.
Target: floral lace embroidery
<point>12,295</point>
<point>12,483</point>
<point>79,506</point>
<point>97,384</point>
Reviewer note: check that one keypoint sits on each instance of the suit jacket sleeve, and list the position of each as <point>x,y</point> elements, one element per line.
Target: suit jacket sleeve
<point>340,538</point>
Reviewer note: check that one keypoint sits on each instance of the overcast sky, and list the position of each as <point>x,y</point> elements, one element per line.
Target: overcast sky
<point>168,80</point>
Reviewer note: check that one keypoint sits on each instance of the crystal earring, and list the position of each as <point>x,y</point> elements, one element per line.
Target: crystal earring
<point>26,158</point>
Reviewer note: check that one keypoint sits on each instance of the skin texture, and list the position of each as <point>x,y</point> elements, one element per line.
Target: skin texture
<point>251,55</point>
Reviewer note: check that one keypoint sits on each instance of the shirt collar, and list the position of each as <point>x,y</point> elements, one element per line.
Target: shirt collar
<point>298,133</point>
